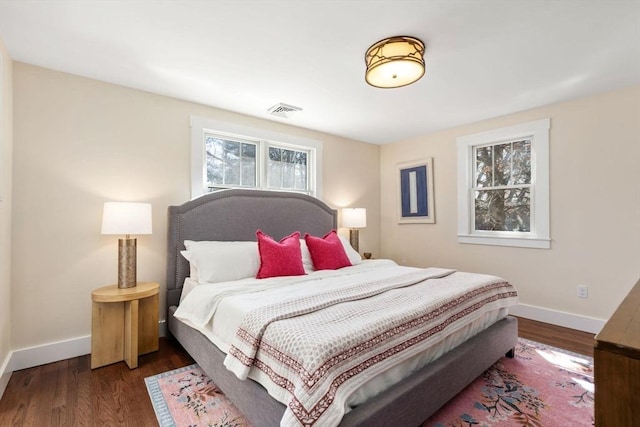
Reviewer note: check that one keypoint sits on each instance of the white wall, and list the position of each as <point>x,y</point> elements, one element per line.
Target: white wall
<point>595,209</point>
<point>6,144</point>
<point>80,142</point>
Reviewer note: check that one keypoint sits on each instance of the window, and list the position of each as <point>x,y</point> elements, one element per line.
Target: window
<point>230,163</point>
<point>287,169</point>
<point>503,186</point>
<point>225,155</point>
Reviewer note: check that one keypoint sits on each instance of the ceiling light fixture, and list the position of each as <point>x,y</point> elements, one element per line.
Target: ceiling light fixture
<point>395,62</point>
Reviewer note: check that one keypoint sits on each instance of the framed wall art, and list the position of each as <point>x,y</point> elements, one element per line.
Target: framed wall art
<point>415,192</point>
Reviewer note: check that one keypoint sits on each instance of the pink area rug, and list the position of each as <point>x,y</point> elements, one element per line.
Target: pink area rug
<point>541,386</point>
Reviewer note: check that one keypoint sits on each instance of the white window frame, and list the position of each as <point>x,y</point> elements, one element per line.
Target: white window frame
<point>539,236</point>
<point>264,138</point>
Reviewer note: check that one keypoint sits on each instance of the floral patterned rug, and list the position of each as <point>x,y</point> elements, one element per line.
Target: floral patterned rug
<point>541,386</point>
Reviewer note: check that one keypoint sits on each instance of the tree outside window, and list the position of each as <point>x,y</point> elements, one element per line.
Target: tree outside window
<point>287,169</point>
<point>503,187</point>
<point>230,163</point>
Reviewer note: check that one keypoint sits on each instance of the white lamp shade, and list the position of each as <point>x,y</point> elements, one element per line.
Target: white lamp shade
<point>126,218</point>
<point>354,217</point>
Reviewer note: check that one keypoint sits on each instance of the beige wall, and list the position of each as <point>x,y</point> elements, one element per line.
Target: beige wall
<point>80,142</point>
<point>6,144</point>
<point>595,207</point>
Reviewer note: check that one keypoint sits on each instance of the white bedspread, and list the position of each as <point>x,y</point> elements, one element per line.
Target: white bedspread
<point>231,301</point>
<point>315,341</point>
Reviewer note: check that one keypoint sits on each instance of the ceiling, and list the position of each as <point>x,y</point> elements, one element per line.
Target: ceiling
<point>484,58</point>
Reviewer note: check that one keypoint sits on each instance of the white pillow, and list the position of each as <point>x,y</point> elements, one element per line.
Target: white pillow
<point>193,270</point>
<point>307,263</point>
<point>222,261</point>
<point>352,254</point>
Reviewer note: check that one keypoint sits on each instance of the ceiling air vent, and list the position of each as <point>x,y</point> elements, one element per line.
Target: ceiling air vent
<point>283,110</point>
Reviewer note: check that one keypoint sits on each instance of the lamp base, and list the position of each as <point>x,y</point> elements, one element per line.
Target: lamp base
<point>354,239</point>
<point>127,263</point>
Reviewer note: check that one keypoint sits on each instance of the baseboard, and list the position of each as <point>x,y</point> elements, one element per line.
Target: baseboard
<point>162,328</point>
<point>559,318</point>
<point>5,373</point>
<point>53,352</point>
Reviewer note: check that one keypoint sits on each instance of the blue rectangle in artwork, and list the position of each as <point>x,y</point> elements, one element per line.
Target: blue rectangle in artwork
<point>413,192</point>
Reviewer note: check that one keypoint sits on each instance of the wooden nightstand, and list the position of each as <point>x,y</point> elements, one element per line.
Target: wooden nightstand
<point>124,324</point>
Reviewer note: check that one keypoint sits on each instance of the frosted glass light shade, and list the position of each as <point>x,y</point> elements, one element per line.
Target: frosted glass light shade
<point>126,218</point>
<point>395,62</point>
<point>354,217</point>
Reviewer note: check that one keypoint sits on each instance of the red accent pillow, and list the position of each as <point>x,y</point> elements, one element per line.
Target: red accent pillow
<point>282,258</point>
<point>327,253</point>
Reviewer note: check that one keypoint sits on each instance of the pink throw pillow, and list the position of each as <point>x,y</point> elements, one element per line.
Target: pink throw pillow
<point>282,258</point>
<point>327,253</point>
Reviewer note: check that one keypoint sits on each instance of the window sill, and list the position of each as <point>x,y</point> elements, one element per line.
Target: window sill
<point>536,243</point>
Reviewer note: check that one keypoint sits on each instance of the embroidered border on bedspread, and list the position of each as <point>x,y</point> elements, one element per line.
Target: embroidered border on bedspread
<point>316,370</point>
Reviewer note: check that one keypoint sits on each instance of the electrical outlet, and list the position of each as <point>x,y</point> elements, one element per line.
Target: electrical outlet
<point>582,291</point>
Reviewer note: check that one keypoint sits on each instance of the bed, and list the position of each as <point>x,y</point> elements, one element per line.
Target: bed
<point>234,216</point>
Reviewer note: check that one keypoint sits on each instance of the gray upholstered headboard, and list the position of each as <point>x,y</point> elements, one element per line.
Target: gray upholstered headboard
<point>229,215</point>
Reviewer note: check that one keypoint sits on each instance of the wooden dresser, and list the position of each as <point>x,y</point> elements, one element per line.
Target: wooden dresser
<point>617,366</point>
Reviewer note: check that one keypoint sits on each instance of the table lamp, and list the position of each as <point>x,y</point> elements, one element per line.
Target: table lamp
<point>354,219</point>
<point>126,218</point>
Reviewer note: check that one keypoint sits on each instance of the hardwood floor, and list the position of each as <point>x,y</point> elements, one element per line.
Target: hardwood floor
<point>69,393</point>
<point>568,339</point>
